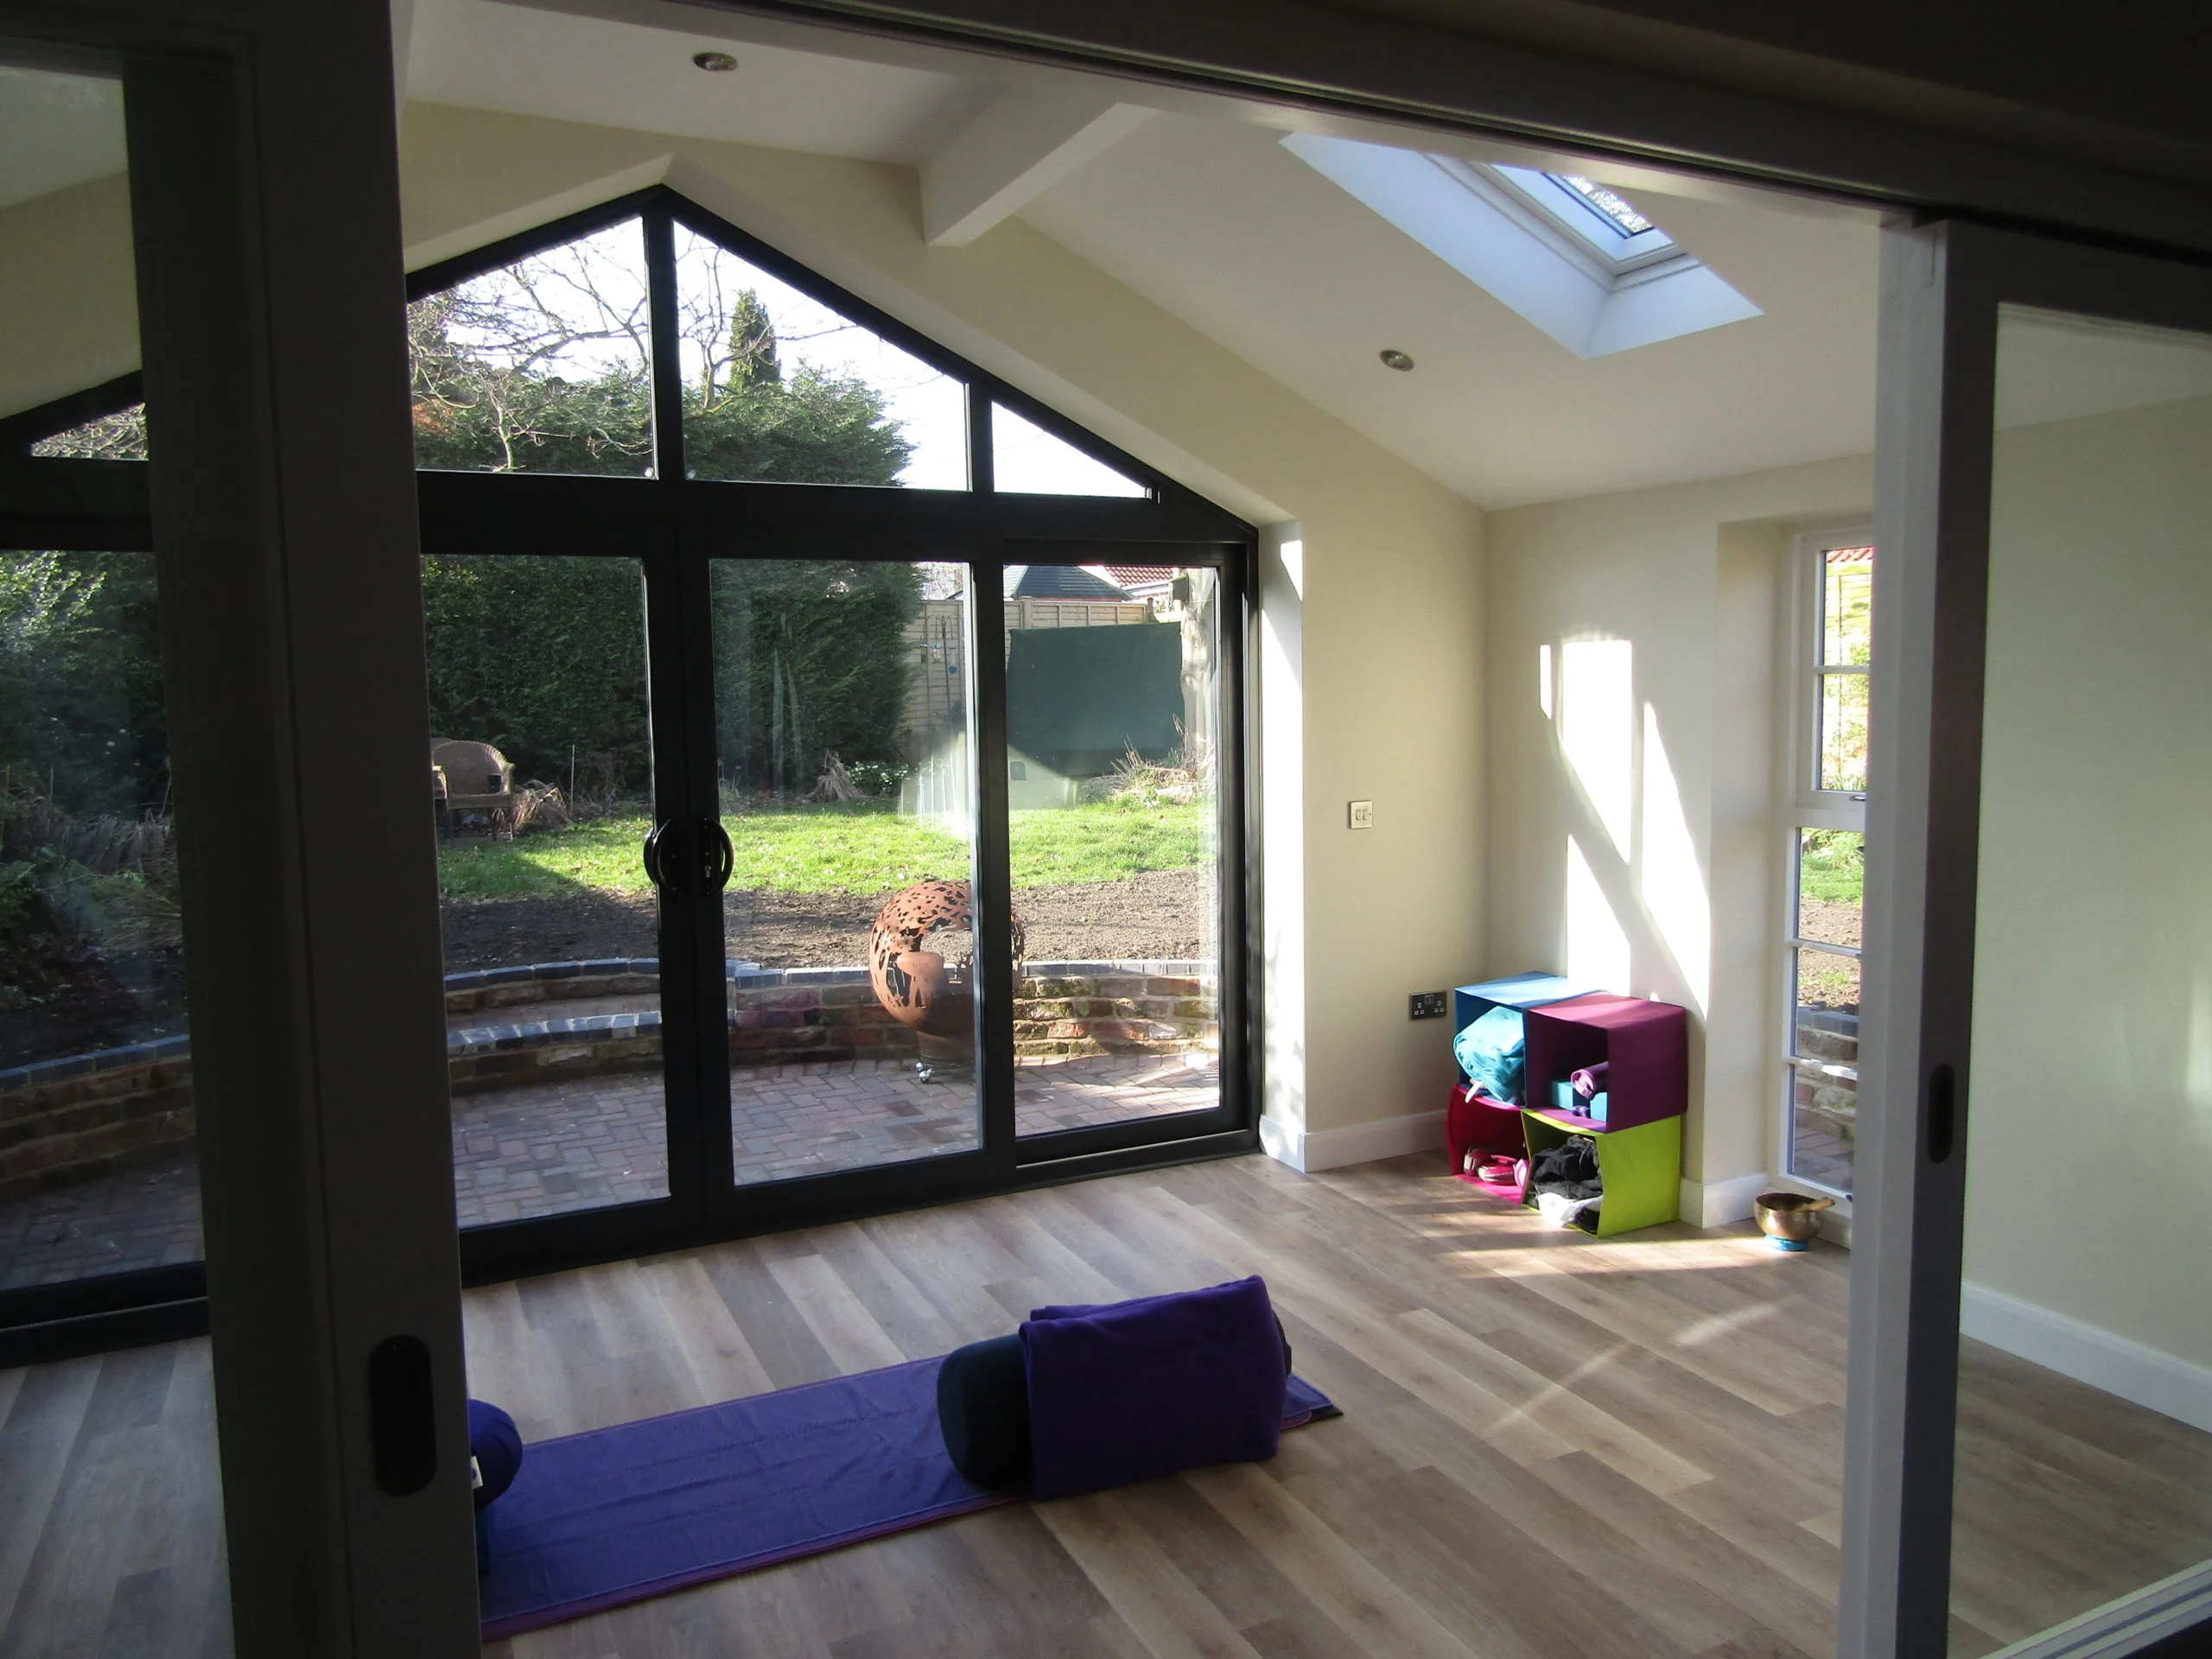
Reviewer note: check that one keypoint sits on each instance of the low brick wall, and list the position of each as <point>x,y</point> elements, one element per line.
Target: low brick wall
<point>1829,1035</point>
<point>1067,1009</point>
<point>69,1120</point>
<point>74,1119</point>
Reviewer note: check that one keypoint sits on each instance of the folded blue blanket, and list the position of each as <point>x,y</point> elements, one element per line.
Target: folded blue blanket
<point>1491,1050</point>
<point>1130,1391</point>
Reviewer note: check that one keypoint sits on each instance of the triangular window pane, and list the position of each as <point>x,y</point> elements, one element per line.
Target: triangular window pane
<point>1026,460</point>
<point>544,365</point>
<point>119,436</point>
<point>778,388</point>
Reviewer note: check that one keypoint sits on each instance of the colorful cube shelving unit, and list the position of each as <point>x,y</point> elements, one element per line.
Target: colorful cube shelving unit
<point>1645,1047</point>
<point>1639,1146</point>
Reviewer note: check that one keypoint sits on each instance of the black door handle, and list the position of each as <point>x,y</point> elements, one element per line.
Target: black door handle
<point>1943,1115</point>
<point>722,857</point>
<point>403,1417</point>
<point>718,858</point>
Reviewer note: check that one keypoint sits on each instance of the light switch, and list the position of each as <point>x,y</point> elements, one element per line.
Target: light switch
<point>1363,815</point>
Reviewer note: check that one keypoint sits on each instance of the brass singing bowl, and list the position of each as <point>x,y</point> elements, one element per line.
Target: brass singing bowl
<point>1790,1214</point>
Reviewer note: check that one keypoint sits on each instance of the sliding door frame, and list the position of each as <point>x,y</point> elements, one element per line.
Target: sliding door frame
<point>1942,285</point>
<point>265,236</point>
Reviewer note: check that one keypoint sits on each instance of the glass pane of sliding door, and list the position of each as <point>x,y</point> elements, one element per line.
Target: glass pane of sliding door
<point>2083,1467</point>
<point>1113,749</point>
<point>98,1173</point>
<point>539,774</point>
<point>1830,878</point>
<point>844,749</point>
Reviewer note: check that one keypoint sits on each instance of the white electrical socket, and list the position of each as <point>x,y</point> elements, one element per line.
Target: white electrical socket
<point>1363,815</point>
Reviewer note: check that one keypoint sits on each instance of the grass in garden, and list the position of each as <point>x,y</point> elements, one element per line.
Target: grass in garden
<point>862,847</point>
<point>1107,839</point>
<point>1833,866</point>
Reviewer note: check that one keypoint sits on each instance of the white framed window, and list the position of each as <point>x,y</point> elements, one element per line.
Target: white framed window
<point>1824,855</point>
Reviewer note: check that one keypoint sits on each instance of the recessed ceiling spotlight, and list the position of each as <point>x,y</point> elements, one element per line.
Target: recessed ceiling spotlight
<point>718,63</point>
<point>1394,359</point>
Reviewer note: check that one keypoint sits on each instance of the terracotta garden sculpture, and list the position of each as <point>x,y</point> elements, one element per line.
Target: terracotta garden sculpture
<point>933,998</point>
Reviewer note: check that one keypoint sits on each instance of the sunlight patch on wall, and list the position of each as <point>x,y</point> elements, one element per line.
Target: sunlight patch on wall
<point>2197,1065</point>
<point>1669,878</point>
<point>1597,729</point>
<point>1596,945</point>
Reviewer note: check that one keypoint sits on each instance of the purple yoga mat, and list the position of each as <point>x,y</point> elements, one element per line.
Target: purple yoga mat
<point>618,1514</point>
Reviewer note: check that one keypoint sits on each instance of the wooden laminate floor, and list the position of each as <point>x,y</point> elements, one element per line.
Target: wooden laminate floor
<point>1554,1445</point>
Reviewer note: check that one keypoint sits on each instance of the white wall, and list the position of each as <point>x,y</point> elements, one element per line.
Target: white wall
<point>2090,1137</point>
<point>1371,668</point>
<point>1664,612</point>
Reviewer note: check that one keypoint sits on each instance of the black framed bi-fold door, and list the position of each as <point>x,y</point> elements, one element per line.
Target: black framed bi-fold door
<point>744,588</point>
<point>1128,827</point>
<point>579,871</point>
<point>844,750</point>
<point>981,821</point>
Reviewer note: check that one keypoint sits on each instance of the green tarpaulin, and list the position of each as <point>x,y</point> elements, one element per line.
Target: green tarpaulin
<point>1080,699</point>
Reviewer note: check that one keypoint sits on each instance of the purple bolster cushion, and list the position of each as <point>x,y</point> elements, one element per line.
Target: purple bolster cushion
<point>1127,1390</point>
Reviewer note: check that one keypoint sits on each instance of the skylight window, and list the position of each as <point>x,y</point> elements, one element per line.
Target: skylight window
<point>1573,258</point>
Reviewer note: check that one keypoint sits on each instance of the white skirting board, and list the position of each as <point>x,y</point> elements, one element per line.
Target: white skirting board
<point>2128,1625</point>
<point>1716,1203</point>
<point>1358,1143</point>
<point>2159,1382</point>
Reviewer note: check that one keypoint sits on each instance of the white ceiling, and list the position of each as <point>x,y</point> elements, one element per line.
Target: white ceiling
<point>1217,223</point>
<point>1199,209</point>
<point>527,61</point>
<point>56,130</point>
<point>1202,211</point>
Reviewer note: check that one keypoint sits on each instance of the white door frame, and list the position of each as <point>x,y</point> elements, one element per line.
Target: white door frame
<point>264,205</point>
<point>1941,286</point>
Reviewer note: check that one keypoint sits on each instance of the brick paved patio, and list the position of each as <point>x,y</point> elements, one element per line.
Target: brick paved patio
<point>555,1148</point>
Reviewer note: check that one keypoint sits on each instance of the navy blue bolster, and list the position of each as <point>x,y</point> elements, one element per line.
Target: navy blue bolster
<point>497,1448</point>
<point>982,1410</point>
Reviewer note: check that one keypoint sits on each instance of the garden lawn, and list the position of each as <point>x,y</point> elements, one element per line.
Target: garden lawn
<point>1832,866</point>
<point>864,848</point>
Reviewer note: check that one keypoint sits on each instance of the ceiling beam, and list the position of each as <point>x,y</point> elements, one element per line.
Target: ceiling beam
<point>1024,142</point>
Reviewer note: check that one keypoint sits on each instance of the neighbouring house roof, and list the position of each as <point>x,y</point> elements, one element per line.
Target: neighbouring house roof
<point>1059,581</point>
<point>1138,577</point>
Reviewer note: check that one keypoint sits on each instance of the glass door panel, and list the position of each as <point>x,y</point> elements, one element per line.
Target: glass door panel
<point>540,779</point>
<point>1824,945</point>
<point>844,742</point>
<point>2083,1467</point>
<point>1113,733</point>
<point>99,1171</point>
<point>98,1168</point>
